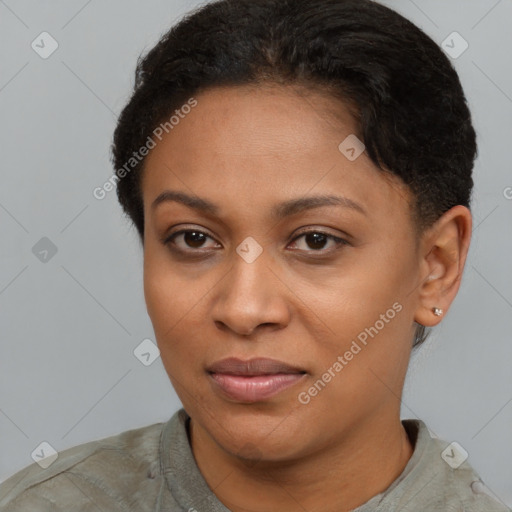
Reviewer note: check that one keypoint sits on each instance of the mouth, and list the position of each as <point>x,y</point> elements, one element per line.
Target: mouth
<point>253,380</point>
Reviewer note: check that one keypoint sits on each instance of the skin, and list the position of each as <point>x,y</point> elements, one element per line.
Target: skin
<point>246,149</point>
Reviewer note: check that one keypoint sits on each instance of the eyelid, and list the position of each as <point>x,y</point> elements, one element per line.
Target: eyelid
<point>167,238</point>
<point>339,241</point>
<point>321,230</point>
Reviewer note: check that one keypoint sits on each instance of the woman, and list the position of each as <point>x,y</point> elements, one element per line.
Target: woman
<point>299,173</point>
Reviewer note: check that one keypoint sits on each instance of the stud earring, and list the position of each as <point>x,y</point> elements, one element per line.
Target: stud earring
<point>437,311</point>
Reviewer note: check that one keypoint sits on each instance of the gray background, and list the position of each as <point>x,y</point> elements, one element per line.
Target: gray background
<point>69,325</point>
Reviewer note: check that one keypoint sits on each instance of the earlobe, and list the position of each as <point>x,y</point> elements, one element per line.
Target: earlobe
<point>444,250</point>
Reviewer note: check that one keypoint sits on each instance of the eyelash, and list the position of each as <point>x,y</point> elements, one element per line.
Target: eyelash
<point>339,241</point>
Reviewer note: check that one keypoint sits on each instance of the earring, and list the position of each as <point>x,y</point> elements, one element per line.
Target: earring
<point>437,311</point>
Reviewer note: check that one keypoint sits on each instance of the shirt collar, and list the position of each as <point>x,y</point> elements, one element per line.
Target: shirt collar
<point>177,464</point>
<point>188,487</point>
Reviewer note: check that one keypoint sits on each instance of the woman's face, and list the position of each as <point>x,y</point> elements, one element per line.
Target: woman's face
<point>265,267</point>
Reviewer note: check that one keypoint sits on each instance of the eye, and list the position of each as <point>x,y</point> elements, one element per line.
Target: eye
<point>189,240</point>
<point>186,240</point>
<point>315,241</point>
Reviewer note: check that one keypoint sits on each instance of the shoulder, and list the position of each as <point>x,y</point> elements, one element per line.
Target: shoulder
<point>107,473</point>
<point>453,484</point>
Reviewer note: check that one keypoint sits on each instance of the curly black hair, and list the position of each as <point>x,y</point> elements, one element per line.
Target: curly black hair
<point>410,108</point>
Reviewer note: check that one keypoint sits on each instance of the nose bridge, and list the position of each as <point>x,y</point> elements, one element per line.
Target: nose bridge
<point>250,267</point>
<point>249,278</point>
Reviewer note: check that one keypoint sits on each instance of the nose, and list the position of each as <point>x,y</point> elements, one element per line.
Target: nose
<point>251,296</point>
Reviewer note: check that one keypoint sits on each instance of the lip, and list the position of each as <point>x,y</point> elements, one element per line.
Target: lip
<point>252,367</point>
<point>253,380</point>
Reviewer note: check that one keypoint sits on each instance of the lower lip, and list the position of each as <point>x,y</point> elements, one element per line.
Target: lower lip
<point>254,388</point>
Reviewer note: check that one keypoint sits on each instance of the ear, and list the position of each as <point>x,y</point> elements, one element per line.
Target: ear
<point>443,251</point>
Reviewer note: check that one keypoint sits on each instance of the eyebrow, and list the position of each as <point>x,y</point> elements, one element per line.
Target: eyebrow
<point>279,211</point>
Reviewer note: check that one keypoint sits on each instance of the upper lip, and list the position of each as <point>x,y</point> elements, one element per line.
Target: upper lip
<point>251,367</point>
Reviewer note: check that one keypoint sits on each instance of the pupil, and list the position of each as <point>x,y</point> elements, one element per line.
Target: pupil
<point>193,237</point>
<point>316,238</point>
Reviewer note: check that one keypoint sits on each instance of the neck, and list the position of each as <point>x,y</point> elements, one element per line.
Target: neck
<point>338,478</point>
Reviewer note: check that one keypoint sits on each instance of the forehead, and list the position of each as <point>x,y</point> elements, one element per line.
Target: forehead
<point>266,144</point>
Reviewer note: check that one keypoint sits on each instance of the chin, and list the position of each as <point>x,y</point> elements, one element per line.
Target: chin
<point>256,431</point>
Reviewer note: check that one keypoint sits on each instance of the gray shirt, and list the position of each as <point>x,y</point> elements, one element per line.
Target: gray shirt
<point>153,469</point>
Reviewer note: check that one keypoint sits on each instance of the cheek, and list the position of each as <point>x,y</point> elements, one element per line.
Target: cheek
<point>165,304</point>
<point>366,287</point>
<point>374,356</point>
<point>174,306</point>
<point>368,312</point>
<point>165,297</point>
